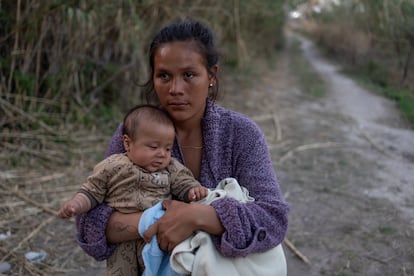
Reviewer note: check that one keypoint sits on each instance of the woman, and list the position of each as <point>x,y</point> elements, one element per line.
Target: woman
<point>214,143</point>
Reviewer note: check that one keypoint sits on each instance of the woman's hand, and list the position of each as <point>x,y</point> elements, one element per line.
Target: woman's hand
<point>174,226</point>
<point>180,221</point>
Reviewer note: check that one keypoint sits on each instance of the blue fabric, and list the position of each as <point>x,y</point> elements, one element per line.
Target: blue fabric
<point>156,261</point>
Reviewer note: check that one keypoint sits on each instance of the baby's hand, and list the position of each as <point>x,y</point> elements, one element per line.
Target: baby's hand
<point>69,209</point>
<point>78,204</point>
<point>197,193</point>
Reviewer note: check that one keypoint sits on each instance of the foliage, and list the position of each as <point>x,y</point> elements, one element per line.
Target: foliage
<point>65,64</point>
<point>88,53</point>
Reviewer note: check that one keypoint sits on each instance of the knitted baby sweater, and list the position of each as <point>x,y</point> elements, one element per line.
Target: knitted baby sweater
<point>234,146</point>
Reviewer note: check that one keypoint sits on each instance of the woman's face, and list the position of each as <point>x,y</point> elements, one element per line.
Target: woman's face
<point>181,80</point>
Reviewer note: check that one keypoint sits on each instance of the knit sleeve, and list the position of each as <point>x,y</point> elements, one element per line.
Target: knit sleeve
<point>259,225</point>
<point>91,232</point>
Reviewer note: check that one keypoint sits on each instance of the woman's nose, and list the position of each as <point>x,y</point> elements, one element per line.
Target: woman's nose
<point>176,86</point>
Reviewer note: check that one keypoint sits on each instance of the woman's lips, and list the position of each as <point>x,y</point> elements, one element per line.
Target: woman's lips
<point>178,104</point>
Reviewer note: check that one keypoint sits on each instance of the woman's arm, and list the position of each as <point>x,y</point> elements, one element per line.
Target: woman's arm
<point>101,229</point>
<point>255,226</point>
<point>122,227</point>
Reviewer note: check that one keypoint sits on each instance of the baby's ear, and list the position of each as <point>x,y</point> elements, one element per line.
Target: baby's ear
<point>127,141</point>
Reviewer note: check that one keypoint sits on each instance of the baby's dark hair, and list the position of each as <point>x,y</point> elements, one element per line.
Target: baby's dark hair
<point>136,115</point>
<point>185,30</point>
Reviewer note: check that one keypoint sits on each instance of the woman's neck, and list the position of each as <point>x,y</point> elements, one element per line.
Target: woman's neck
<point>188,128</point>
<point>189,134</point>
<point>190,139</point>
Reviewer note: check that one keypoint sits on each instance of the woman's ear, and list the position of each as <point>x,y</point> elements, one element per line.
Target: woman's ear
<point>213,69</point>
<point>127,141</point>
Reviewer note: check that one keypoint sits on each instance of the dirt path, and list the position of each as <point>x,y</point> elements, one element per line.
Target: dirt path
<point>376,120</point>
<point>345,164</point>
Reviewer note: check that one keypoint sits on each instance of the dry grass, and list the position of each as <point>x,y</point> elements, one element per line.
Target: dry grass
<point>30,197</point>
<point>83,55</point>
<point>41,166</point>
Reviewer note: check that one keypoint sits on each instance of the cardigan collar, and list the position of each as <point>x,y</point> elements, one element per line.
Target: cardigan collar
<point>210,125</point>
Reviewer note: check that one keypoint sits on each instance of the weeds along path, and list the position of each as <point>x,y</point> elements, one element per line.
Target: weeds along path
<point>344,161</point>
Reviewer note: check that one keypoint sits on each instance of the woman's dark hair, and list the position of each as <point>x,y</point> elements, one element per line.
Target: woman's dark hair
<point>184,30</point>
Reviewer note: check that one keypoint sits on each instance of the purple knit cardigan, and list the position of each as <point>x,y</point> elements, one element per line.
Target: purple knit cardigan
<point>234,146</point>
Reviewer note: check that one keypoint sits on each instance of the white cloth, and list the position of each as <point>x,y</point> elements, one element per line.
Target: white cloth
<point>198,256</point>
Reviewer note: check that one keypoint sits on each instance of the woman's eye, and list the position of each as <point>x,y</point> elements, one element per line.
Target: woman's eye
<point>163,76</point>
<point>188,75</point>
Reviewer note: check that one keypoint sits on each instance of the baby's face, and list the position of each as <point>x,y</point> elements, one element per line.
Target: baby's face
<point>152,148</point>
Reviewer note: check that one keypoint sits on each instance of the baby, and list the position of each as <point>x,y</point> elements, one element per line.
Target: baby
<point>141,177</point>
